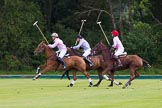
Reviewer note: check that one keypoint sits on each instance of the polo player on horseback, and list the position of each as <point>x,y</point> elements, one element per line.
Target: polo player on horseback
<point>117,44</point>
<point>61,46</point>
<point>86,47</point>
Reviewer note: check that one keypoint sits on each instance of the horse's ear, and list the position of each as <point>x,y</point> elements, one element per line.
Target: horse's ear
<point>100,41</point>
<point>44,42</point>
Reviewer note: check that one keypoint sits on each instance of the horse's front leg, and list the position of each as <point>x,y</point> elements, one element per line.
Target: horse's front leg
<point>47,68</point>
<point>99,77</point>
<point>110,78</point>
<point>73,81</point>
<point>66,73</point>
<point>40,67</point>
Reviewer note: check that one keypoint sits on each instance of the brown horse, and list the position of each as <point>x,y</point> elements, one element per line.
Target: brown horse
<point>73,63</point>
<point>98,64</point>
<point>133,62</point>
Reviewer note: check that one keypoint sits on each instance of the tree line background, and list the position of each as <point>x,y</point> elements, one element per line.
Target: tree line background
<point>138,21</point>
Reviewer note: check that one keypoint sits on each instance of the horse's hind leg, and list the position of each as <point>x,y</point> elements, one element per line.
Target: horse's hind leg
<point>132,76</point>
<point>88,77</point>
<point>82,68</point>
<point>136,74</point>
<point>74,80</point>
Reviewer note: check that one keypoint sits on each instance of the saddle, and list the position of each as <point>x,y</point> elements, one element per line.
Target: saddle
<point>117,62</point>
<point>123,54</point>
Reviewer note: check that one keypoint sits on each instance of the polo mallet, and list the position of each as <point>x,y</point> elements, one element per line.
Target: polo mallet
<point>80,28</point>
<point>35,24</point>
<point>99,23</point>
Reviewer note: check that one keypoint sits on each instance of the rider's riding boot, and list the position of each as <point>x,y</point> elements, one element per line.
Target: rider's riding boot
<point>88,61</point>
<point>118,60</point>
<point>61,61</point>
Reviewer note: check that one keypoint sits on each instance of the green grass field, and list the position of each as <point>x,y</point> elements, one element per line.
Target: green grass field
<point>53,93</point>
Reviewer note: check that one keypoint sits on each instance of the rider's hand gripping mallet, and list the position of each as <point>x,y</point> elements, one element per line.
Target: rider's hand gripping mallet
<point>35,24</point>
<point>99,23</point>
<point>80,28</point>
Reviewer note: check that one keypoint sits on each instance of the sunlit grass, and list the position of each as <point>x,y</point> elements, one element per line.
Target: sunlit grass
<point>53,93</point>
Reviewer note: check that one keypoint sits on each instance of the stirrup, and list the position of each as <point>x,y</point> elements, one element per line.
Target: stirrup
<point>120,65</point>
<point>64,66</point>
<point>90,64</point>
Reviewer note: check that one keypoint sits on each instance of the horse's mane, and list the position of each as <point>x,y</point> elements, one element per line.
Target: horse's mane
<point>103,45</point>
<point>73,52</point>
<point>48,47</point>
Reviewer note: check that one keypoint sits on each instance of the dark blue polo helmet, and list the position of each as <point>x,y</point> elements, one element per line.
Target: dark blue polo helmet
<point>79,36</point>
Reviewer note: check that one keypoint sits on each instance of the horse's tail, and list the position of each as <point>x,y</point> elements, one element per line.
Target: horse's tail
<point>146,64</point>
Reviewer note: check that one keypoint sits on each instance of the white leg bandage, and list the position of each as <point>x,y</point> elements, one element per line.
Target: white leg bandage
<point>115,82</point>
<point>90,80</point>
<point>105,76</point>
<point>73,82</point>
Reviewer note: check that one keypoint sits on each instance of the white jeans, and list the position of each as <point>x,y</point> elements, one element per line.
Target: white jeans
<point>62,53</point>
<point>86,52</point>
<point>119,52</point>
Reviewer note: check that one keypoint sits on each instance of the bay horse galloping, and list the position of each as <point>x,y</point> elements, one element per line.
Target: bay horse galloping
<point>73,63</point>
<point>132,62</point>
<point>98,64</point>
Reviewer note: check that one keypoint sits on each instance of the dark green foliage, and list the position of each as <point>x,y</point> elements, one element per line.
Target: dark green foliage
<point>18,36</point>
<point>139,23</point>
<point>141,41</point>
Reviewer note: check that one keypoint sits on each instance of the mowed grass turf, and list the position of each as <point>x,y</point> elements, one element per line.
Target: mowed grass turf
<point>53,93</point>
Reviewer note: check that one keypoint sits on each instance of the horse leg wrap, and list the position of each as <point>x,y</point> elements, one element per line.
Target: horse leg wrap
<point>37,76</point>
<point>90,82</point>
<point>126,84</point>
<point>115,82</point>
<point>38,70</point>
<point>105,76</point>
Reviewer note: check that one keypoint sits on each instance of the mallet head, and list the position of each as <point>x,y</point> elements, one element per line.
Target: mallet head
<point>99,22</point>
<point>35,23</point>
<point>83,20</point>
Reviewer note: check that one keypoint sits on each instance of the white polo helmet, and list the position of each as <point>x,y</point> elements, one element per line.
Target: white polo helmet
<point>54,34</point>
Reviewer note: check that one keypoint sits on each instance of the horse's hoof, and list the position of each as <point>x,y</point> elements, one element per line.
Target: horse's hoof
<point>110,85</point>
<point>90,84</point>
<point>34,79</point>
<point>123,87</point>
<point>96,85</point>
<point>119,83</point>
<point>70,85</point>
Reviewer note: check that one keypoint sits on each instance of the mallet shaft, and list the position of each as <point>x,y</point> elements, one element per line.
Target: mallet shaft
<point>99,23</point>
<point>35,24</point>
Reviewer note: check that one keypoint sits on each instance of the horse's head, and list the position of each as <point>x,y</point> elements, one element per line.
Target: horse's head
<point>40,48</point>
<point>98,47</point>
